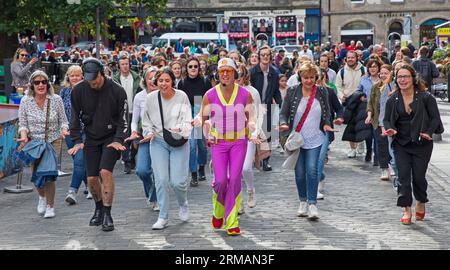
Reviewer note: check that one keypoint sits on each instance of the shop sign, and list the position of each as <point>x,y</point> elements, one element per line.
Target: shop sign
<point>443,32</point>
<point>238,35</point>
<point>285,34</point>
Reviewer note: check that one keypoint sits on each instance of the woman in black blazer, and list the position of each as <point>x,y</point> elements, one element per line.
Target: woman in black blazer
<point>411,118</point>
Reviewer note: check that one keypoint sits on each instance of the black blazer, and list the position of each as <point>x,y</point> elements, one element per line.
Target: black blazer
<point>273,88</point>
<point>426,118</point>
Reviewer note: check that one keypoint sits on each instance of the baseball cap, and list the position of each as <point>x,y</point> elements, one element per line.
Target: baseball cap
<point>91,67</point>
<point>227,62</point>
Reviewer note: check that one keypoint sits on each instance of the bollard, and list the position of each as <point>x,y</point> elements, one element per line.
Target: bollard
<point>18,188</point>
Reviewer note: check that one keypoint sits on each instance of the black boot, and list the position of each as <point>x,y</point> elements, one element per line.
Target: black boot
<point>266,165</point>
<point>201,173</point>
<point>194,179</point>
<point>107,224</point>
<point>127,168</point>
<point>97,218</point>
<point>368,156</point>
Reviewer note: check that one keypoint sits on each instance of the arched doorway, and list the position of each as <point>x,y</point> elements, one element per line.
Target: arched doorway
<point>357,30</point>
<point>395,33</point>
<point>427,29</point>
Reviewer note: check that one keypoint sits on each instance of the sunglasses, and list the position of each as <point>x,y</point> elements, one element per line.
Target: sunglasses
<point>222,71</point>
<point>23,54</point>
<point>39,82</point>
<point>192,66</point>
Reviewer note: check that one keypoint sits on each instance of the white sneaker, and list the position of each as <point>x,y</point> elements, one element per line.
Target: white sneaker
<point>89,195</point>
<point>320,196</point>
<point>385,176</point>
<point>241,209</point>
<point>155,206</point>
<point>184,212</point>
<point>313,212</point>
<point>360,148</point>
<point>251,201</point>
<point>303,209</point>
<point>322,186</point>
<point>160,224</point>
<point>49,212</point>
<point>71,198</point>
<point>351,153</point>
<point>42,205</point>
<point>392,172</point>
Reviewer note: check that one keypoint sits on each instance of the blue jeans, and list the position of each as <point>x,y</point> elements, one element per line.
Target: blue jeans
<point>195,158</point>
<point>321,161</point>
<point>145,172</point>
<point>79,168</point>
<point>171,169</point>
<point>306,176</point>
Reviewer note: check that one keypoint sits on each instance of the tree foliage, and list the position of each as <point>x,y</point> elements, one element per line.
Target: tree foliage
<point>58,15</point>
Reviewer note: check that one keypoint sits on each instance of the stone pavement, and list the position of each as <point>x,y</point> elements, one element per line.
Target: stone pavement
<point>359,212</point>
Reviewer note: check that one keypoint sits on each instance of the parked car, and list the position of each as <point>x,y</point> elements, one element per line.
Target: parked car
<point>289,49</point>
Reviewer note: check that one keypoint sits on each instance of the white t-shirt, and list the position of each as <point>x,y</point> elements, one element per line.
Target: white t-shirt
<point>127,84</point>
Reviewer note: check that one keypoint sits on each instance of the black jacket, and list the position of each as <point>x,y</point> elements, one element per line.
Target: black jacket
<point>103,112</point>
<point>292,101</point>
<point>426,118</point>
<point>196,87</point>
<point>355,116</point>
<point>336,109</point>
<point>273,89</point>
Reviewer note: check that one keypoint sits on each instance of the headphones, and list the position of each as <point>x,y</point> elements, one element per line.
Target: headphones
<point>413,74</point>
<point>165,70</point>
<point>236,75</point>
<point>265,47</point>
<point>96,61</point>
<point>18,53</point>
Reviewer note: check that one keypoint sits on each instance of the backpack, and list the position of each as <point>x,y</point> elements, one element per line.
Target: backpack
<point>341,73</point>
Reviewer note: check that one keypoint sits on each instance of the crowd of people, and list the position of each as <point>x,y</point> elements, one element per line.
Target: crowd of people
<point>164,116</point>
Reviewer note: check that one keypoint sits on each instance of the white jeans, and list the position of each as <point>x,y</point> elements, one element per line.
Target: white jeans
<point>247,171</point>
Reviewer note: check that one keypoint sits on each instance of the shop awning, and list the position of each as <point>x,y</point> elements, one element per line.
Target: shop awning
<point>238,35</point>
<point>285,34</point>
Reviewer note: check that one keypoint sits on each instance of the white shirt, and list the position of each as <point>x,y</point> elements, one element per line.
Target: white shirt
<point>138,109</point>
<point>293,80</point>
<point>127,84</point>
<point>307,53</point>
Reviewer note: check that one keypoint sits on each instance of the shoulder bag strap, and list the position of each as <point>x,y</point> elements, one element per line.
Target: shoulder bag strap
<point>47,116</point>
<point>160,109</point>
<point>308,108</point>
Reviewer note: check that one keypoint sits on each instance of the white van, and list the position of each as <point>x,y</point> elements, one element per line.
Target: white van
<point>201,39</point>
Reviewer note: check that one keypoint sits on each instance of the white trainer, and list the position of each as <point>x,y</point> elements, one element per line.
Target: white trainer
<point>160,224</point>
<point>360,148</point>
<point>313,212</point>
<point>184,212</point>
<point>385,175</point>
<point>42,205</point>
<point>351,153</point>
<point>49,212</point>
<point>71,198</point>
<point>89,195</point>
<point>322,186</point>
<point>303,209</point>
<point>155,206</point>
<point>251,201</point>
<point>320,196</point>
<point>241,209</point>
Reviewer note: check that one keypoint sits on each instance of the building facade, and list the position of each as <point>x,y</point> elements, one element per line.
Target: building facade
<point>276,22</point>
<point>382,21</point>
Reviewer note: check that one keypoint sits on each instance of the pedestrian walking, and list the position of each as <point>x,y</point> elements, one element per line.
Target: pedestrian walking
<point>412,117</point>
<point>230,109</point>
<point>42,124</point>
<point>143,161</point>
<point>101,105</point>
<point>73,76</point>
<point>167,129</point>
<point>306,107</point>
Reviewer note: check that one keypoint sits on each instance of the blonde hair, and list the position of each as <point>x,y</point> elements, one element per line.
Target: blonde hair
<point>70,70</point>
<point>308,68</point>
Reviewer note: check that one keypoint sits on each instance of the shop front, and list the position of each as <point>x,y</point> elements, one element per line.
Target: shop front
<point>272,27</point>
<point>427,28</point>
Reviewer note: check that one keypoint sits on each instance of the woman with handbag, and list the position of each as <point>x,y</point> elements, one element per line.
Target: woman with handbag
<point>166,124</point>
<point>42,120</point>
<point>411,118</point>
<point>306,114</point>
